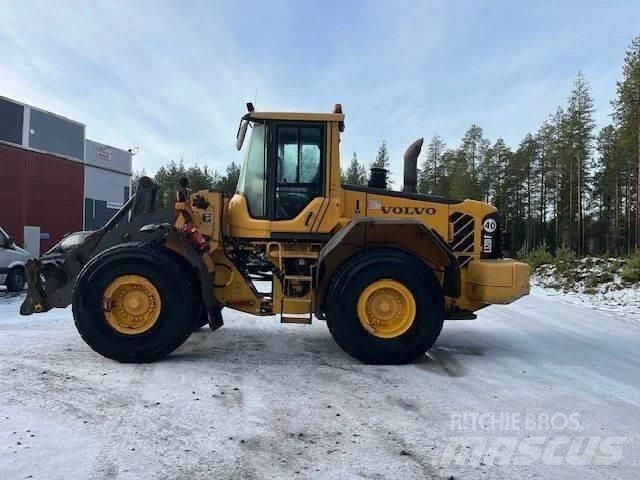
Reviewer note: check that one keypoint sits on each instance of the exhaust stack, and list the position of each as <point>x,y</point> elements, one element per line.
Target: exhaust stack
<point>411,166</point>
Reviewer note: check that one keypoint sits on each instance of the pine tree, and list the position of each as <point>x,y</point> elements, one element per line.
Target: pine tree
<point>554,180</point>
<point>459,174</point>
<point>355,174</point>
<point>430,174</point>
<point>497,157</point>
<point>510,200</point>
<point>608,189</point>
<point>382,159</point>
<point>527,158</point>
<point>579,131</point>
<point>474,148</point>
<point>627,119</point>
<point>545,139</point>
<point>229,181</point>
<point>443,188</point>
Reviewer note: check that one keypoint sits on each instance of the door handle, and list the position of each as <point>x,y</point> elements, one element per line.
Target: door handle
<point>309,215</point>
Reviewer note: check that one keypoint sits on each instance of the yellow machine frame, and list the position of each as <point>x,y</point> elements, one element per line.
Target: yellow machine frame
<point>367,218</point>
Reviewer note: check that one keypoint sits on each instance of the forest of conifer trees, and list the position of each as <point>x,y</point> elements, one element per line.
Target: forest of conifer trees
<point>565,185</point>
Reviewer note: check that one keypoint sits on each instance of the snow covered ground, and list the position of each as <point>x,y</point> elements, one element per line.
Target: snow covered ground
<point>623,303</point>
<point>540,388</point>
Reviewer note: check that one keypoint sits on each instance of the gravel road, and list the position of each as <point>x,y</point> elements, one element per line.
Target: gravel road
<point>537,389</point>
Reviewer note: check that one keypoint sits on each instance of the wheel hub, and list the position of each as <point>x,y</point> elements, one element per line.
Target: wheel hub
<point>386,308</point>
<point>131,304</point>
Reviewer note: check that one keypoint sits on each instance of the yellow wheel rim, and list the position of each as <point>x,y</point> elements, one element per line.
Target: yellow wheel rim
<point>386,308</point>
<point>131,304</point>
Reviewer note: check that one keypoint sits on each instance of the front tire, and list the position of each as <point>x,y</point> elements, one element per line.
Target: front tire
<point>385,306</point>
<point>135,303</point>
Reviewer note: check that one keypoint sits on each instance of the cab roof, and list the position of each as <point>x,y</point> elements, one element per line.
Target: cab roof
<point>297,116</point>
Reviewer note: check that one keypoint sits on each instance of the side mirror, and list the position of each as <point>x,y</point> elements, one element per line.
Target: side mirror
<point>242,132</point>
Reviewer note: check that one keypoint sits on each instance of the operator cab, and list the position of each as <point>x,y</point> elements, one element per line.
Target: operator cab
<point>286,167</point>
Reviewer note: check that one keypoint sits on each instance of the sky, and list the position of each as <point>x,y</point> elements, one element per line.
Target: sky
<point>172,78</point>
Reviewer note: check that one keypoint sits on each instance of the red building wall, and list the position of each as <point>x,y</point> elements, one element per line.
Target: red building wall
<point>12,190</point>
<point>47,191</point>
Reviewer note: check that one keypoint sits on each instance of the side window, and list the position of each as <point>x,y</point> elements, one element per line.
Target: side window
<point>253,180</point>
<point>299,169</point>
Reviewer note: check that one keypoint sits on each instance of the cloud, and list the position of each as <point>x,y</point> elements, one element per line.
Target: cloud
<point>172,78</point>
<point>137,76</point>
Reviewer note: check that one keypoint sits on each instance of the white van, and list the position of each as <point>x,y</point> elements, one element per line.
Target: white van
<point>12,261</point>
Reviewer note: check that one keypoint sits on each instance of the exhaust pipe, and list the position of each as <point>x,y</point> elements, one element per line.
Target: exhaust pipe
<point>411,166</point>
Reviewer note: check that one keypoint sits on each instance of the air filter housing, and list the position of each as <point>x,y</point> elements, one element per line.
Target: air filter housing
<point>378,178</point>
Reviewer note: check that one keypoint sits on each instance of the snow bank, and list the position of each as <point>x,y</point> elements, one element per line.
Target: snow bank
<point>592,282</point>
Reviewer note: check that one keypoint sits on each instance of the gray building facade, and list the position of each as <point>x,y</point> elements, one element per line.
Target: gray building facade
<point>107,182</point>
<point>39,130</point>
<point>11,121</point>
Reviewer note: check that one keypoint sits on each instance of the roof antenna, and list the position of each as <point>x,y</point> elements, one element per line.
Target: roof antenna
<point>255,97</point>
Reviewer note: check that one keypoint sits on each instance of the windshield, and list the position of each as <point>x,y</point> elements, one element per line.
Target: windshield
<point>253,179</point>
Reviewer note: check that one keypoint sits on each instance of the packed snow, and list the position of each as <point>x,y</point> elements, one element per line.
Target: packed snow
<point>540,388</point>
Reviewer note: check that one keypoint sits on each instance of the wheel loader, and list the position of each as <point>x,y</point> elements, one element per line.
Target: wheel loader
<point>383,268</point>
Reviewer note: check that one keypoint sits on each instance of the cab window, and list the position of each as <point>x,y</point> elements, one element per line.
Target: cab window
<point>253,179</point>
<point>299,169</point>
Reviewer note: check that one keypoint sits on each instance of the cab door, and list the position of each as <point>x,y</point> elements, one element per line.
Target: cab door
<point>297,159</point>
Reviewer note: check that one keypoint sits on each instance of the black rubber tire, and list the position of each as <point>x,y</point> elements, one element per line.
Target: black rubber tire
<point>179,299</point>
<point>16,279</point>
<point>361,271</point>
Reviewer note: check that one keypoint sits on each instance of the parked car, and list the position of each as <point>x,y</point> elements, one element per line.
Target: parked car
<point>60,249</point>
<point>12,261</point>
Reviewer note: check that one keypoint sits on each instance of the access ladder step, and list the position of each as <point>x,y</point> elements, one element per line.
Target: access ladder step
<point>298,278</point>
<point>299,319</point>
<point>289,304</point>
<point>294,254</point>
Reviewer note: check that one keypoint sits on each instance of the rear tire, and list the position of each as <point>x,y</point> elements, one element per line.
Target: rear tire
<point>176,289</point>
<point>351,281</point>
<point>16,279</point>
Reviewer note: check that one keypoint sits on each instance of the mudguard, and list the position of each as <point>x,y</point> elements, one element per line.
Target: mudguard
<point>409,234</point>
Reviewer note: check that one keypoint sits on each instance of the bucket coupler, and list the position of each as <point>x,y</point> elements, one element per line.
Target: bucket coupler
<point>50,283</point>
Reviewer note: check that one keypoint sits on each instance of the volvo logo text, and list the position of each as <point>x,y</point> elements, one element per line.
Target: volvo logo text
<point>409,210</point>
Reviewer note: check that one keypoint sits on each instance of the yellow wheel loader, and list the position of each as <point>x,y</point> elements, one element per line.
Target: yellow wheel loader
<point>384,268</point>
